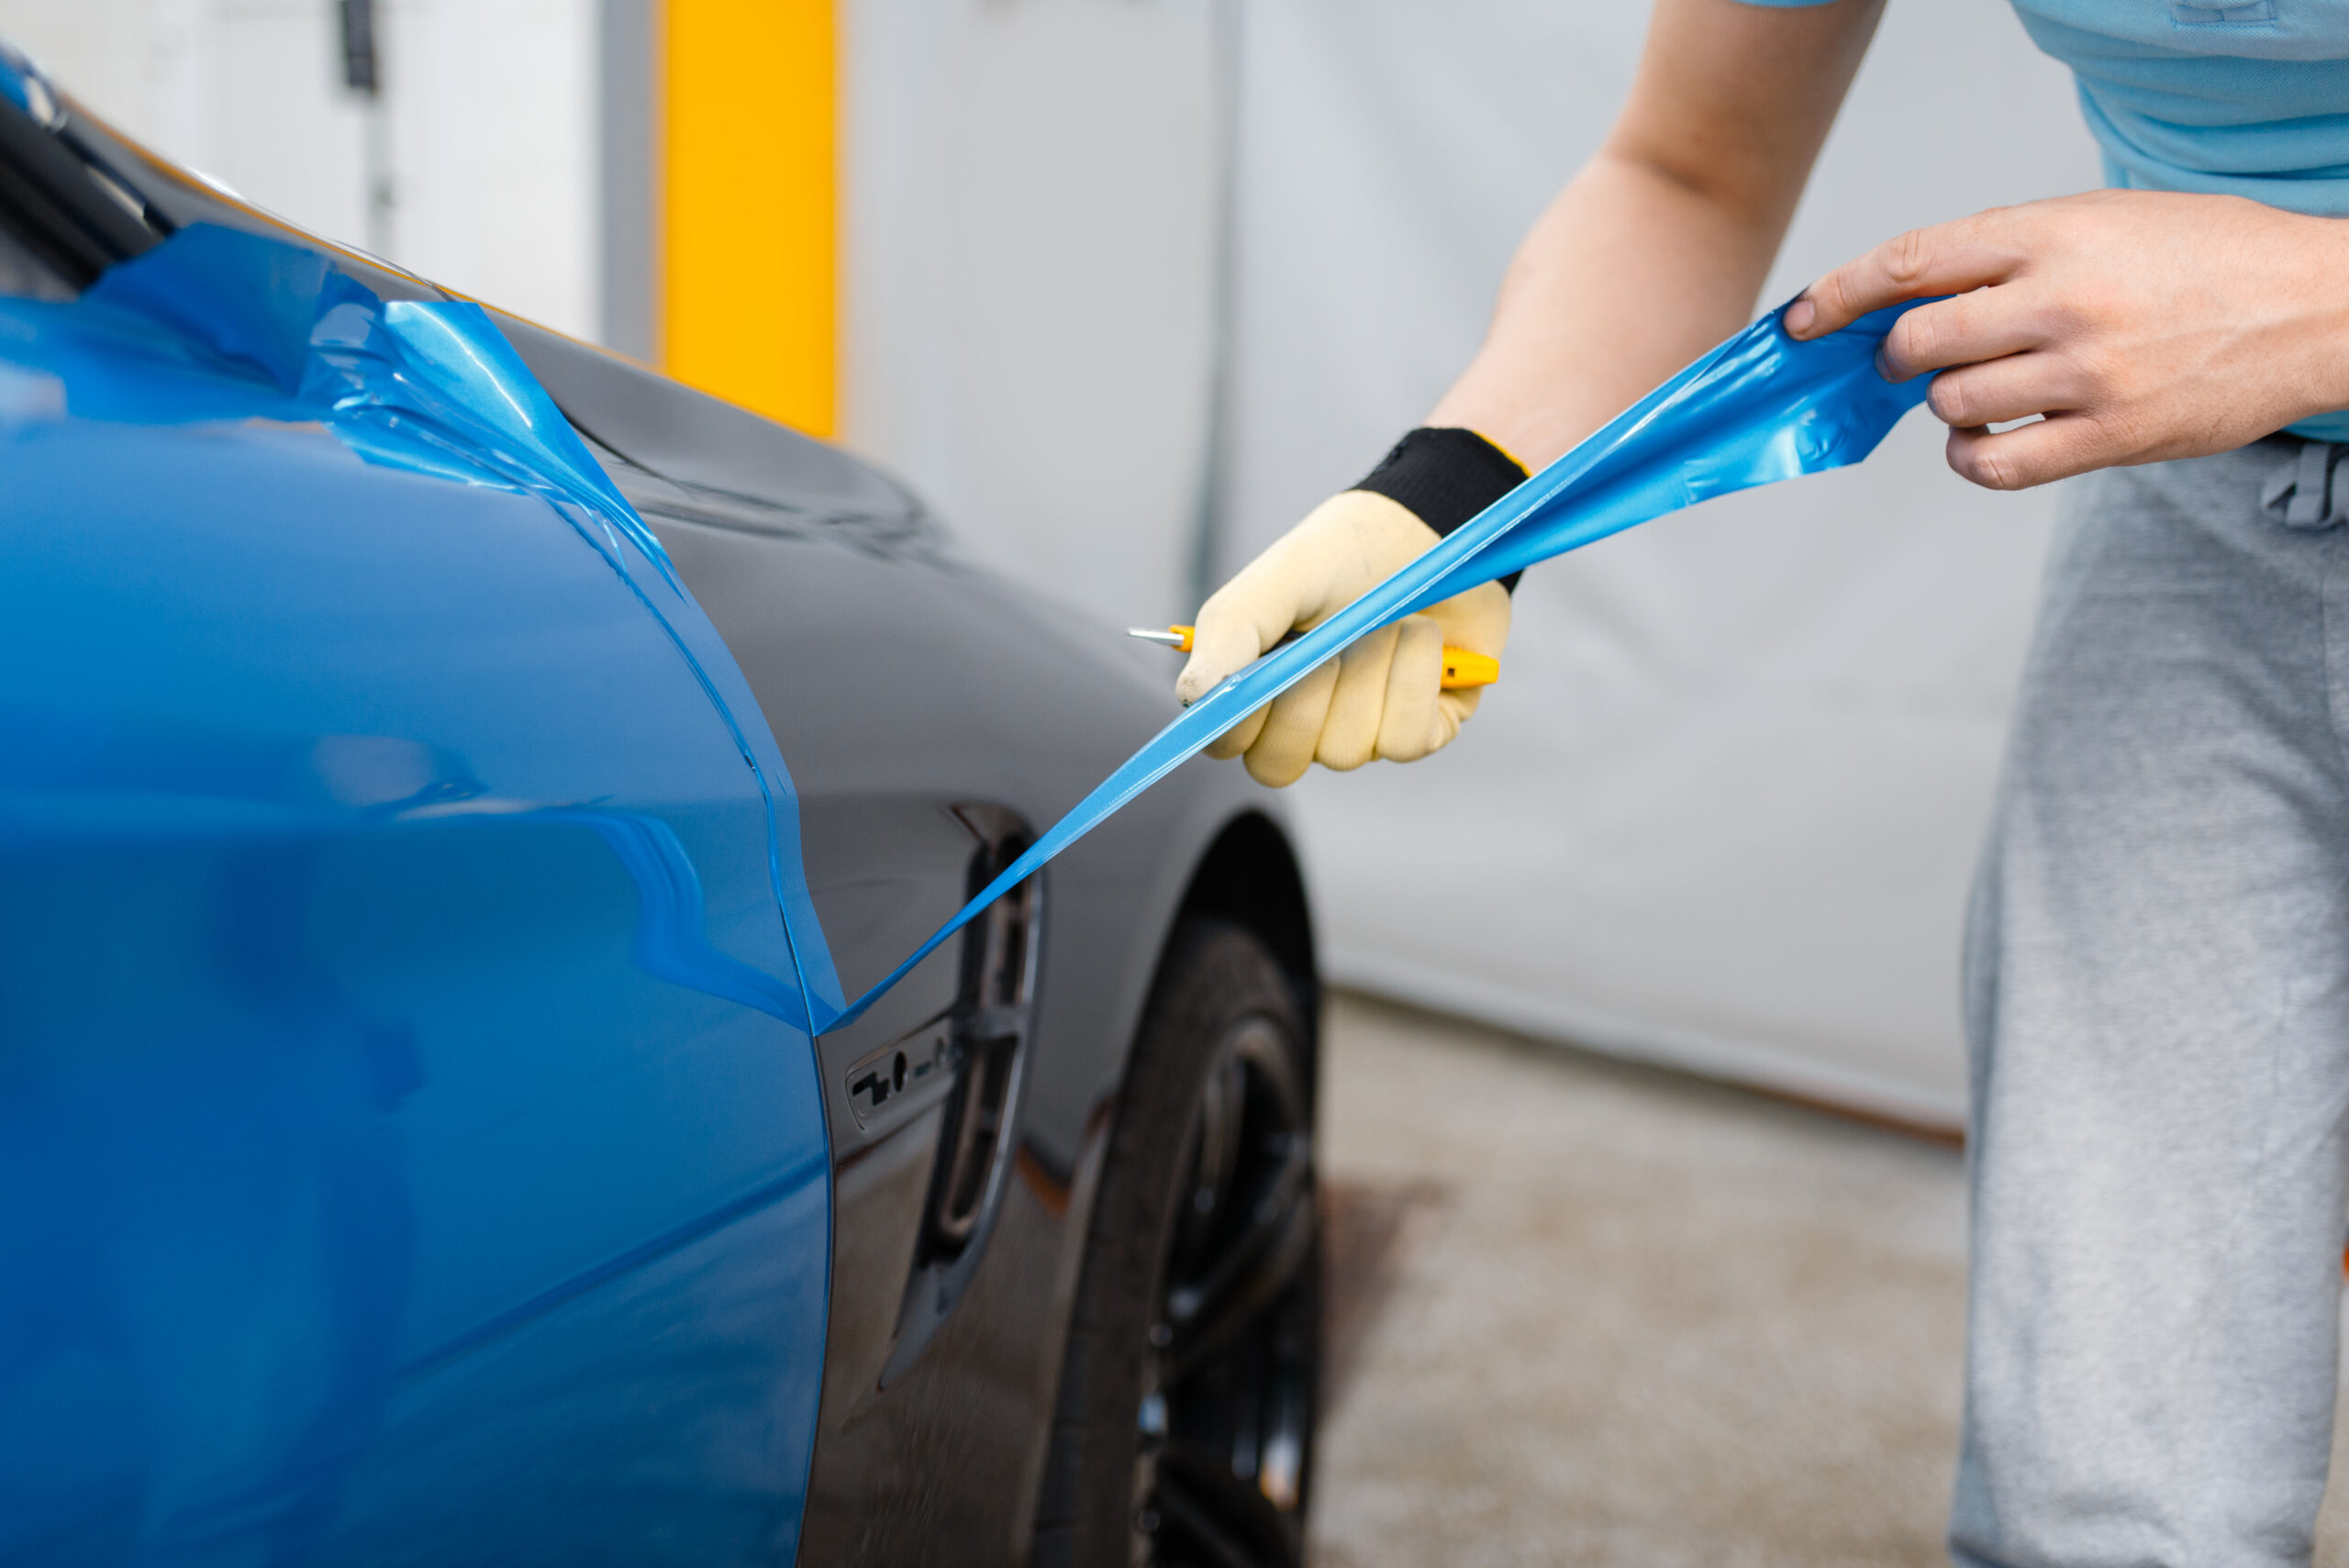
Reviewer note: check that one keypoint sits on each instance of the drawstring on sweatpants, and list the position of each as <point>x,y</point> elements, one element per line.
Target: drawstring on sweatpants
<point>2307,490</point>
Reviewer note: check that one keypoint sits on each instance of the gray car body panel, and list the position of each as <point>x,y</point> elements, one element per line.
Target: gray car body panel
<point>901,684</point>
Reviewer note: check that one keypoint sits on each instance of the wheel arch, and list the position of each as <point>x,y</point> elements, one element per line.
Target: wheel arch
<point>1250,876</point>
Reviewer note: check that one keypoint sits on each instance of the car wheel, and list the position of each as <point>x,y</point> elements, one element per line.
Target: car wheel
<point>1185,1430</point>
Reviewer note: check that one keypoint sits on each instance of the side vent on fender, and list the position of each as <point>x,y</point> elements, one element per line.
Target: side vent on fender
<point>987,1032</point>
<point>990,1024</point>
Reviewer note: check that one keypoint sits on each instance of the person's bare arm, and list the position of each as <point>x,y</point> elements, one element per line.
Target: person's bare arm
<point>1653,254</point>
<point>1657,248</point>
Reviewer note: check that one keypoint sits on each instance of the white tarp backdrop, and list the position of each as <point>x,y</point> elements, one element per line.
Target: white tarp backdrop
<point>1723,805</point>
<point>1032,222</point>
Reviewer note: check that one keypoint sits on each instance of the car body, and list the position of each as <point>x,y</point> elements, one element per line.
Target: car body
<point>423,892</point>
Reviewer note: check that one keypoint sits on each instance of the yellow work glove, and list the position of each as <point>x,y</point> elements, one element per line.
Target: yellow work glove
<point>1382,696</point>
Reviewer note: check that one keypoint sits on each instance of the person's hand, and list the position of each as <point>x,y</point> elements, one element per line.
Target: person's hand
<point>1382,696</point>
<point>2145,325</point>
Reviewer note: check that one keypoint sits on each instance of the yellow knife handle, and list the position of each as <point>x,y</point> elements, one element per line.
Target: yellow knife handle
<point>1461,668</point>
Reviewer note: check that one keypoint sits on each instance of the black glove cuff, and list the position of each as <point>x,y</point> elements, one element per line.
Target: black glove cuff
<point>1445,476</point>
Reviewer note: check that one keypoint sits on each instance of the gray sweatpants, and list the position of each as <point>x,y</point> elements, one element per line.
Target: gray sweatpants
<point>2157,1000</point>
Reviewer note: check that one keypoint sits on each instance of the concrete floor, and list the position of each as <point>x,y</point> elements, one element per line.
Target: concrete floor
<point>1588,1313</point>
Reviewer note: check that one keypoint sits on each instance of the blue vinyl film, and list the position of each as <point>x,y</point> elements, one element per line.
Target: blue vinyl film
<point>435,388</point>
<point>406,980</point>
<point>407,976</point>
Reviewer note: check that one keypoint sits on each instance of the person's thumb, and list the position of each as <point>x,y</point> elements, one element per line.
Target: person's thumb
<point>1245,617</point>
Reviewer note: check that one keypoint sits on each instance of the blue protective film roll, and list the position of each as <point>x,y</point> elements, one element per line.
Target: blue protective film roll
<point>1759,408</point>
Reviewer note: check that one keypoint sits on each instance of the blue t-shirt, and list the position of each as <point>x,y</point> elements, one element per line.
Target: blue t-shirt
<point>2248,99</point>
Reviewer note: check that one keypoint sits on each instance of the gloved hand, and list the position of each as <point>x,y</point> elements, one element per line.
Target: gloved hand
<point>1379,698</point>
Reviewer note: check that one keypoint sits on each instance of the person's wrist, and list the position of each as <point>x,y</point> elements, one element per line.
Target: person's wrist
<point>1445,475</point>
<point>2336,251</point>
<point>2327,381</point>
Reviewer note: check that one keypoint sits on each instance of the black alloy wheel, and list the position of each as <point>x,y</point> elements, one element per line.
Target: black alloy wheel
<point>1185,1433</point>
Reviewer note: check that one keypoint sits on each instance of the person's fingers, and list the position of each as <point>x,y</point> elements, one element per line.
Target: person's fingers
<point>1407,728</point>
<point>2013,388</point>
<point>1987,324</point>
<point>2054,448</point>
<point>1451,711</point>
<point>1949,258</point>
<point>1349,735</point>
<point>1280,755</point>
<point>1239,737</point>
<point>1476,620</point>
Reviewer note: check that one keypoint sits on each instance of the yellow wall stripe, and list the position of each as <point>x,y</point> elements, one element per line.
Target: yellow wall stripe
<point>749,249</point>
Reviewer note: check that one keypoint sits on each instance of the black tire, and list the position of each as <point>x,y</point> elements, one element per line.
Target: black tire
<point>1184,1436</point>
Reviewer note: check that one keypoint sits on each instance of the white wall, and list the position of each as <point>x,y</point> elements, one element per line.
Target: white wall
<point>1030,199</point>
<point>1723,805</point>
<point>491,107</point>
